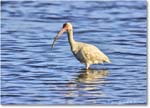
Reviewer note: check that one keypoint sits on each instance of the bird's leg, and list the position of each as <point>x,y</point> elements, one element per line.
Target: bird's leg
<point>87,66</point>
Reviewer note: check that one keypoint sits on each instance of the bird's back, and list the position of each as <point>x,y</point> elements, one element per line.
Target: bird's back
<point>87,53</point>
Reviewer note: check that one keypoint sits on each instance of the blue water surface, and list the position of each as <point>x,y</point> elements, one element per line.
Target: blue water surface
<point>33,74</point>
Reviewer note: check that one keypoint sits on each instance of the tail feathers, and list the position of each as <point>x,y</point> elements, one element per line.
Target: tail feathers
<point>107,60</point>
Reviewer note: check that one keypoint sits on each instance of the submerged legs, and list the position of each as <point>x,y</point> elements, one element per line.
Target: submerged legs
<point>87,65</point>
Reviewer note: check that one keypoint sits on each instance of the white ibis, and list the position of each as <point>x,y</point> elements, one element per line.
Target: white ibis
<point>85,53</point>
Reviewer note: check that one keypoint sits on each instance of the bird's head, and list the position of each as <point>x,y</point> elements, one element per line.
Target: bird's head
<point>66,27</point>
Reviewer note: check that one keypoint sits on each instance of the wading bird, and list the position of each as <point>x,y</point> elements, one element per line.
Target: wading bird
<point>85,53</point>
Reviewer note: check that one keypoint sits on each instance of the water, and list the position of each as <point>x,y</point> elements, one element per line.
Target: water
<point>32,73</point>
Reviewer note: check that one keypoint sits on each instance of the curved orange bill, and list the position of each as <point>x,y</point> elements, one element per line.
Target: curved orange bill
<point>57,36</point>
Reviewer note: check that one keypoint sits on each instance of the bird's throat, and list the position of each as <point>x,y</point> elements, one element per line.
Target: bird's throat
<point>70,39</point>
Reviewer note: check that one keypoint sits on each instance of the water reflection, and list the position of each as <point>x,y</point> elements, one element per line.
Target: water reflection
<point>92,76</point>
<point>88,83</point>
<point>91,81</point>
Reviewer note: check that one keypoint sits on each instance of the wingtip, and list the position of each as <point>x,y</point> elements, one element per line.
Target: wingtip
<point>109,61</point>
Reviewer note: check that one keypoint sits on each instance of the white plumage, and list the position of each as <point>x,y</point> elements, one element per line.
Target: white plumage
<point>85,53</point>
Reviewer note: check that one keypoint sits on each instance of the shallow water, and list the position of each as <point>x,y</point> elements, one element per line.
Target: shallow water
<point>32,73</point>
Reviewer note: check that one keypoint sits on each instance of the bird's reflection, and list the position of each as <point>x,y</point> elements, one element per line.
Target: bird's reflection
<point>88,83</point>
<point>92,75</point>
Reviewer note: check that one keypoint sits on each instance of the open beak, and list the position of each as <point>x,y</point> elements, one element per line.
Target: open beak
<point>57,36</point>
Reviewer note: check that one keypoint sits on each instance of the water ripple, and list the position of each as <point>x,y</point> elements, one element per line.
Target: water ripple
<point>32,73</point>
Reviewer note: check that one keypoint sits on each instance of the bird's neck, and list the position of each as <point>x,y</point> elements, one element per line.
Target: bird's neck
<point>70,39</point>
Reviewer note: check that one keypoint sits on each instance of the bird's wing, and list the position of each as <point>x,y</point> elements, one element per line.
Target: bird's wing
<point>93,54</point>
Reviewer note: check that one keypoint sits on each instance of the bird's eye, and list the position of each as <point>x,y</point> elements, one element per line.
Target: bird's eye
<point>64,25</point>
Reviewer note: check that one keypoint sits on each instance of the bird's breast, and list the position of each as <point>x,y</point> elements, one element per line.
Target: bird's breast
<point>78,56</point>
